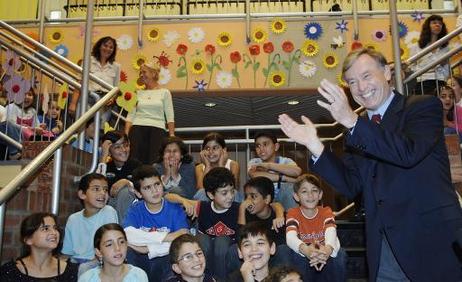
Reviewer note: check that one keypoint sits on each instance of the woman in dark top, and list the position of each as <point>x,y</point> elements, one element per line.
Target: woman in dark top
<point>176,167</point>
<point>41,240</point>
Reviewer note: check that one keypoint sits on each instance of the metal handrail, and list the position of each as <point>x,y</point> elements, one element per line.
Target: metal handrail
<point>433,46</point>
<point>10,140</point>
<point>15,185</point>
<point>433,64</point>
<point>53,54</point>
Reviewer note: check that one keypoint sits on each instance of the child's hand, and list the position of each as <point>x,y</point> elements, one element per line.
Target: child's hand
<point>248,271</point>
<point>278,222</point>
<point>204,158</point>
<point>105,147</point>
<point>190,208</point>
<point>223,158</point>
<point>246,205</point>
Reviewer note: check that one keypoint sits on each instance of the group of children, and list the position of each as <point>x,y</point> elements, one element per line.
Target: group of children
<point>165,236</point>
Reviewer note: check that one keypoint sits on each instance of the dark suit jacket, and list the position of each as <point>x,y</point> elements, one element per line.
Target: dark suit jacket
<point>402,168</point>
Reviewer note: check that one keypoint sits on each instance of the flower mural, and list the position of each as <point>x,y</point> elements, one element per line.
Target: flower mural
<point>11,63</point>
<point>330,60</point>
<point>138,61</point>
<point>254,51</point>
<point>163,59</point>
<point>124,42</point>
<point>153,34</point>
<point>277,78</point>
<point>170,37</point>
<point>224,79</point>
<point>310,48</point>
<point>215,61</point>
<point>197,65</point>
<point>307,68</point>
<point>56,36</point>
<point>164,76</point>
<point>313,30</point>
<point>62,50</point>
<point>200,85</point>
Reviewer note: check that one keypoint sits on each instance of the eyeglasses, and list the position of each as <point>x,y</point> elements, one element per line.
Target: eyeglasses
<point>190,256</point>
<point>121,146</point>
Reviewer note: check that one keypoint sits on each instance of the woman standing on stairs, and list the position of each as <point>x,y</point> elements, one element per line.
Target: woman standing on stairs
<point>146,125</point>
<point>103,66</point>
<point>41,240</point>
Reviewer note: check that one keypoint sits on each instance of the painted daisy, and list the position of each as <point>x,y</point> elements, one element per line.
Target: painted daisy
<point>170,37</point>
<point>124,42</point>
<point>16,88</point>
<point>224,39</point>
<point>196,35</point>
<point>330,60</point>
<point>307,68</point>
<point>62,50</point>
<point>313,30</point>
<point>259,35</point>
<point>164,76</point>
<point>310,48</point>
<point>153,34</point>
<point>278,26</point>
<point>224,79</point>
<point>11,63</point>
<point>412,38</point>
<point>277,78</point>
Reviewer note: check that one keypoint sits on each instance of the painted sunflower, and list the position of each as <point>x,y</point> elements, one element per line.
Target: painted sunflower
<point>330,60</point>
<point>277,78</point>
<point>278,26</point>
<point>224,39</point>
<point>138,61</point>
<point>259,35</point>
<point>310,48</point>
<point>153,34</point>
<point>197,66</point>
<point>56,36</point>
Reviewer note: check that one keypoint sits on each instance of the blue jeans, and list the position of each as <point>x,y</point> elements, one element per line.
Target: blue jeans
<point>156,268</point>
<point>389,269</point>
<point>14,132</point>
<point>215,250</point>
<point>334,270</point>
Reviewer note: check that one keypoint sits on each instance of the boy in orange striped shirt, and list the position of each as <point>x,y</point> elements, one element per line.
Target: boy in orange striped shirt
<point>311,233</point>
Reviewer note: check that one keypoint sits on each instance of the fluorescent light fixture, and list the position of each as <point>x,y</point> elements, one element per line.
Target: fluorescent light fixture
<point>55,15</point>
<point>293,102</point>
<point>210,105</point>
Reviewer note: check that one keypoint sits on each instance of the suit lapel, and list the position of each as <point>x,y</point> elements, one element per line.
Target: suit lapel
<point>392,115</point>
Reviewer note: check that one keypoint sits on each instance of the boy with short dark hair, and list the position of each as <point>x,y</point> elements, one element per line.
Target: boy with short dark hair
<point>255,247</point>
<point>93,193</point>
<point>311,233</point>
<point>217,220</point>
<point>188,260</point>
<point>282,171</point>
<point>118,168</point>
<point>151,224</point>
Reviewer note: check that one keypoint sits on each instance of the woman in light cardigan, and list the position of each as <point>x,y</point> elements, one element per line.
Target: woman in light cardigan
<point>147,124</point>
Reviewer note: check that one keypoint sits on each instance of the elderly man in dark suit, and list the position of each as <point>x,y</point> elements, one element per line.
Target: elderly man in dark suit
<point>397,157</point>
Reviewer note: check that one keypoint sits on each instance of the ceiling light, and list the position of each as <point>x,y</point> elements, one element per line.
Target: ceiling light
<point>293,102</point>
<point>210,105</point>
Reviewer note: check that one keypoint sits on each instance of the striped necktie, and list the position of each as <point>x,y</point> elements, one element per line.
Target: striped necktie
<point>377,118</point>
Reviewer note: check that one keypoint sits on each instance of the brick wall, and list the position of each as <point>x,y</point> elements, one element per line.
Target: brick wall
<point>35,196</point>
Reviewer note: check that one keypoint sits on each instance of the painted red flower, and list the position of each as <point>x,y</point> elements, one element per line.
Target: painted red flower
<point>268,47</point>
<point>163,59</point>
<point>64,94</point>
<point>235,57</point>
<point>210,49</point>
<point>181,49</point>
<point>288,46</point>
<point>123,76</point>
<point>254,50</point>
<point>356,45</point>
<point>127,96</point>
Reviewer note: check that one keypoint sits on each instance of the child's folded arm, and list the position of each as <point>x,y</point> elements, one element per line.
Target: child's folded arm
<point>138,237</point>
<point>331,239</point>
<point>293,241</point>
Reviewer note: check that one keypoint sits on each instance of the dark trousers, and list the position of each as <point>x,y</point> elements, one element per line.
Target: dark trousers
<point>334,270</point>
<point>157,269</point>
<point>145,143</point>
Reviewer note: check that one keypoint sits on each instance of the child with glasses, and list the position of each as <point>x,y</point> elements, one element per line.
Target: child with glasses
<point>188,261</point>
<point>152,224</point>
<point>93,193</point>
